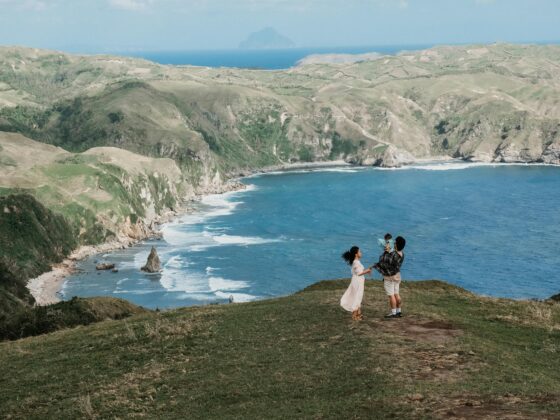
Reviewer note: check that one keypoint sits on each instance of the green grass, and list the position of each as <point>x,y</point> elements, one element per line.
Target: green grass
<point>454,354</point>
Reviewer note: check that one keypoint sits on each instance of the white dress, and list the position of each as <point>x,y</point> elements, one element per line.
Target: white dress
<point>352,299</point>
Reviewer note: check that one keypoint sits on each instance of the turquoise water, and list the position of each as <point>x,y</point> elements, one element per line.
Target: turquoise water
<point>262,59</point>
<point>492,230</point>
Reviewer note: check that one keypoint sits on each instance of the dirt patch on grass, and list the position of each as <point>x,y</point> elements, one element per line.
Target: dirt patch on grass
<point>505,407</point>
<point>421,330</point>
<point>424,349</point>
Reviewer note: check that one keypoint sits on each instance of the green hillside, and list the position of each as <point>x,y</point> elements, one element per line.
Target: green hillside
<point>32,238</point>
<point>454,355</point>
<point>485,102</point>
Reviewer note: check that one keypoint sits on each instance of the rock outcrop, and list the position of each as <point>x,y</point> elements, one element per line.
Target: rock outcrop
<point>394,158</point>
<point>105,266</point>
<point>153,265</point>
<point>551,154</point>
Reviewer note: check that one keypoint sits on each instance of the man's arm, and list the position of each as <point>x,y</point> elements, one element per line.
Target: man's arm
<point>379,266</point>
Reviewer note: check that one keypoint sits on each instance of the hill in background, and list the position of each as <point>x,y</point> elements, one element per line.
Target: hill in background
<point>266,39</point>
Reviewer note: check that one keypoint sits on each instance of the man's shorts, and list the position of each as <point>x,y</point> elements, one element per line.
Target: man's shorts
<point>392,284</point>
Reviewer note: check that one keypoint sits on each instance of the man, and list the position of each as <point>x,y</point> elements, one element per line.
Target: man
<point>389,266</point>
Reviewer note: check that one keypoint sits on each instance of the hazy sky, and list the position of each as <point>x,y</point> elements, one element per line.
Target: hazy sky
<point>120,25</point>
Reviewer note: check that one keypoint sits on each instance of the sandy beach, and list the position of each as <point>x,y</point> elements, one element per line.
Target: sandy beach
<point>46,287</point>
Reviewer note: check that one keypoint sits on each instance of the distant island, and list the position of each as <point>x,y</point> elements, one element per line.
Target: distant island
<point>266,39</point>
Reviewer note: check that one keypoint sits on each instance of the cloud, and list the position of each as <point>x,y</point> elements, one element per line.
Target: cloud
<point>33,5</point>
<point>132,5</point>
<point>401,4</point>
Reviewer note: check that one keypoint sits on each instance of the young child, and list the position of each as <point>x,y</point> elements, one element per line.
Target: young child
<point>386,243</point>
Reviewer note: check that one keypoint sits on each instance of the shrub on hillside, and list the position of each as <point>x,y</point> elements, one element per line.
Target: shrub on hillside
<point>30,321</point>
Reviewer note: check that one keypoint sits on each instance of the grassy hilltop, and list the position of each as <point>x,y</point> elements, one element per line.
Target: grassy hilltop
<point>454,355</point>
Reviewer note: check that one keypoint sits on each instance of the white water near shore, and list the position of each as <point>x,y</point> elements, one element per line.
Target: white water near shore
<point>191,233</point>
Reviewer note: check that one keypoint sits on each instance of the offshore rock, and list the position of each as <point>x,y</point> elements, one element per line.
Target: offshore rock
<point>105,266</point>
<point>153,265</point>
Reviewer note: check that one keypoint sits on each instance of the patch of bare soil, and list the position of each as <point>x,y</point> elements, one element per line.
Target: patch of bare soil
<point>423,349</point>
<point>506,407</point>
<point>428,331</point>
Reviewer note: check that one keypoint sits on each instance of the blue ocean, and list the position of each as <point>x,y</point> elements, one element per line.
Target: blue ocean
<point>259,59</point>
<point>494,230</point>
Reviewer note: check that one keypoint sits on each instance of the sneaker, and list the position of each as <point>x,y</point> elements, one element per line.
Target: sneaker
<point>390,315</point>
<point>399,314</point>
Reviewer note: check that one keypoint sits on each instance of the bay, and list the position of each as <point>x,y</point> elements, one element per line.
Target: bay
<point>492,229</point>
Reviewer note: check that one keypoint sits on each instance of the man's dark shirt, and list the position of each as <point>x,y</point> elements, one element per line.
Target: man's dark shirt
<point>389,263</point>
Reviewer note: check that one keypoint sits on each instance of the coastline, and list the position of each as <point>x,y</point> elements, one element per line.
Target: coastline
<point>46,287</point>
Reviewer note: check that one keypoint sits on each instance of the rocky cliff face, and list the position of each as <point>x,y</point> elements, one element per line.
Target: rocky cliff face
<point>105,194</point>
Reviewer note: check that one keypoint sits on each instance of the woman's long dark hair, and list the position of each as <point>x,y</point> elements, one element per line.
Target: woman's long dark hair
<point>350,255</point>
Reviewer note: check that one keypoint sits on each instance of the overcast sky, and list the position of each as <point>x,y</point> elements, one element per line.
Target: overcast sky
<point>122,25</point>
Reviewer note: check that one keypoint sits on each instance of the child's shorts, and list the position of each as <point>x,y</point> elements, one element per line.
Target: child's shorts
<point>392,284</point>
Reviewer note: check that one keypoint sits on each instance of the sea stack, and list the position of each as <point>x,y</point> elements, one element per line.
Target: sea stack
<point>153,264</point>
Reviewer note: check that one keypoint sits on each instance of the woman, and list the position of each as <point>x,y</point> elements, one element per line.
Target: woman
<point>352,298</point>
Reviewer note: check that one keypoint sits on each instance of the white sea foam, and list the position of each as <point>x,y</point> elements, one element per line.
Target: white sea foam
<point>194,241</point>
<point>202,297</point>
<point>174,262</point>
<point>241,240</point>
<point>218,284</point>
<point>184,281</point>
<point>216,228</point>
<point>347,170</point>
<point>210,270</point>
<point>203,287</point>
<point>121,281</point>
<point>237,297</point>
<point>175,235</point>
